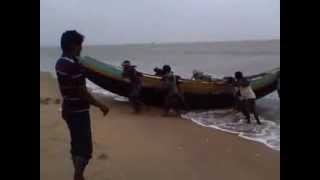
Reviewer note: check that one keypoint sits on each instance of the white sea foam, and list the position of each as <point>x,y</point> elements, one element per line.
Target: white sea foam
<point>230,121</point>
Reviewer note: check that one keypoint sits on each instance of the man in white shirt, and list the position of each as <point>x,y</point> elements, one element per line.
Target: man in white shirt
<point>247,97</point>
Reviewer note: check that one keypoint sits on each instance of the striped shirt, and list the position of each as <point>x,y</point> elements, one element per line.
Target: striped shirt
<point>71,78</point>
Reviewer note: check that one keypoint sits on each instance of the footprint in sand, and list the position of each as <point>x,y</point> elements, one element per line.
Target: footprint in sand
<point>57,101</point>
<point>45,100</point>
<point>103,156</point>
<point>49,100</point>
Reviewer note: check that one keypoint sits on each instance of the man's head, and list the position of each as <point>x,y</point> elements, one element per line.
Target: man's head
<point>71,42</point>
<point>166,69</point>
<point>158,71</point>
<point>238,75</point>
<point>126,64</point>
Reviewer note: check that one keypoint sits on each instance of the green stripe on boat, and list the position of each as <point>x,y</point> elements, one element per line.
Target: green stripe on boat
<point>98,66</point>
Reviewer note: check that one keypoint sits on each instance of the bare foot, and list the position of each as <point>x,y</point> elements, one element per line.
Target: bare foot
<point>178,114</point>
<point>165,114</point>
<point>45,100</point>
<point>235,120</point>
<point>57,101</point>
<point>78,177</point>
<point>103,156</point>
<point>136,112</point>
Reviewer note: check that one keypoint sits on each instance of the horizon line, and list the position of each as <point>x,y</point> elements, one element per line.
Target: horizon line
<point>177,42</point>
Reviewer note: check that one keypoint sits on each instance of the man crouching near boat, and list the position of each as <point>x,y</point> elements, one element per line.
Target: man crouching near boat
<point>76,101</point>
<point>247,97</point>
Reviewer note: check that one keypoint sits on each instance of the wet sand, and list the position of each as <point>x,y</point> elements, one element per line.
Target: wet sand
<point>148,146</point>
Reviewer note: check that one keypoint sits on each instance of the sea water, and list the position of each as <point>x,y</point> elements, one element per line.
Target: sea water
<point>216,58</point>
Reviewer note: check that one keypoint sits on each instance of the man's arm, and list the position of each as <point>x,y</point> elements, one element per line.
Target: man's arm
<point>86,95</point>
<point>178,78</point>
<point>89,98</point>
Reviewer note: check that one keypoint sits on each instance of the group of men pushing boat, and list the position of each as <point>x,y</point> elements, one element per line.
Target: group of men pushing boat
<point>173,98</point>
<point>244,96</point>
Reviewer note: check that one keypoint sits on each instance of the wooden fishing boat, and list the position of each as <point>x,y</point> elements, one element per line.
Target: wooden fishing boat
<point>198,94</point>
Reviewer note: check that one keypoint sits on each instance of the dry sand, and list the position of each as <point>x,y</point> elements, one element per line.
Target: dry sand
<point>148,146</point>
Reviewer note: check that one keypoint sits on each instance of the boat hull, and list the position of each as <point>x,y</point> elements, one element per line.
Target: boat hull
<point>198,95</point>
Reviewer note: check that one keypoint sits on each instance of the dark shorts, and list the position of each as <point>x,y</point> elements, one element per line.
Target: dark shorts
<point>135,91</point>
<point>134,96</point>
<point>174,100</point>
<point>80,133</point>
<point>249,104</point>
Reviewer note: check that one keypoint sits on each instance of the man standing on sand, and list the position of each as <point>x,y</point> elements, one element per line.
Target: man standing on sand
<point>76,101</point>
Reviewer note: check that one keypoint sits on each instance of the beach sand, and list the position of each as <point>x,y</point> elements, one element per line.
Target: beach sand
<point>148,146</point>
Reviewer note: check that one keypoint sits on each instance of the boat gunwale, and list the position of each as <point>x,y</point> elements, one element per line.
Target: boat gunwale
<point>185,82</point>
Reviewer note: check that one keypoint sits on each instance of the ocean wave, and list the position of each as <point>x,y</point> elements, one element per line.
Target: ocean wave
<point>228,120</point>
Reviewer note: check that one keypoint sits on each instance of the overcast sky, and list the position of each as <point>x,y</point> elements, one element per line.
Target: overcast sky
<point>145,21</point>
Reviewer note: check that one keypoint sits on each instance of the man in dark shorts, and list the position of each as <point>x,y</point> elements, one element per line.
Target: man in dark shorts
<point>247,97</point>
<point>173,97</point>
<point>76,101</point>
<point>135,78</point>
